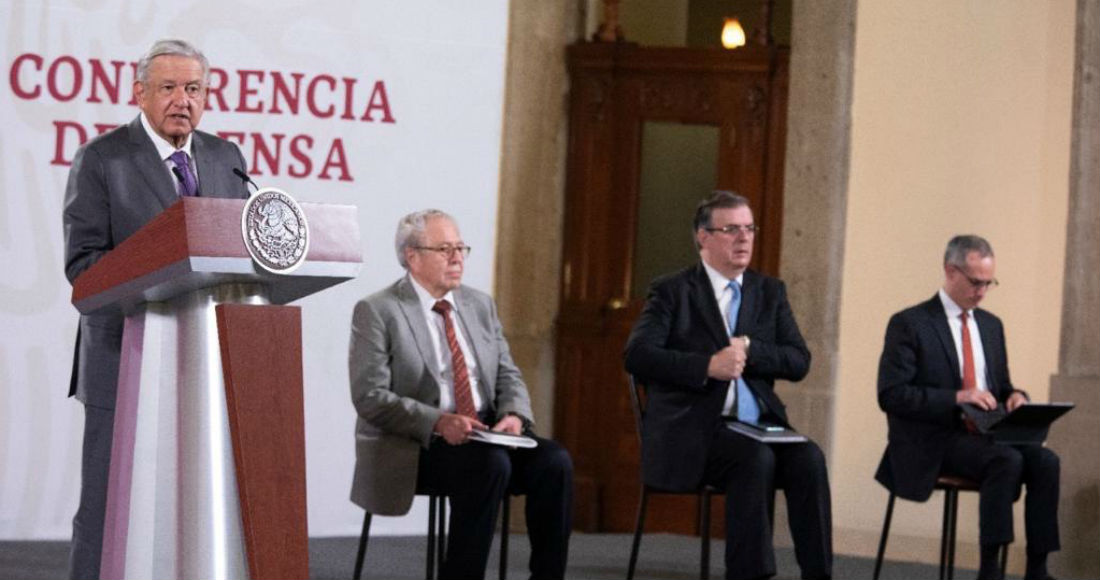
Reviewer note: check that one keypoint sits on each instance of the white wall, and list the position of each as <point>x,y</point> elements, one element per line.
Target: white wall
<point>960,124</point>
<point>442,65</point>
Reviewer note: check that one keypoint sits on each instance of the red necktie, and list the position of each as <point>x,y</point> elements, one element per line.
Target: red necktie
<point>969,381</point>
<point>464,399</point>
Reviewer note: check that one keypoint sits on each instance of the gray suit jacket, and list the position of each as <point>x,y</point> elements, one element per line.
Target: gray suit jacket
<point>118,183</point>
<point>395,386</point>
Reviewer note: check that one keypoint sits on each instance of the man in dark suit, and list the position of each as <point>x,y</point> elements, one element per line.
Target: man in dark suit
<point>429,364</point>
<point>938,355</point>
<point>711,342</point>
<point>118,182</point>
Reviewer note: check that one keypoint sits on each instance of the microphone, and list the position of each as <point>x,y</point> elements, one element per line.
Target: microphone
<point>179,174</point>
<point>245,178</point>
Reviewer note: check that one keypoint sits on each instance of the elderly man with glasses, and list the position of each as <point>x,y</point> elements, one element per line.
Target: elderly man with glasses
<point>938,355</point>
<point>429,366</point>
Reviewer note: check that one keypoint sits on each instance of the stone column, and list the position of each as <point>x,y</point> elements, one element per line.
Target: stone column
<point>532,189</point>
<point>1076,437</point>
<point>815,197</point>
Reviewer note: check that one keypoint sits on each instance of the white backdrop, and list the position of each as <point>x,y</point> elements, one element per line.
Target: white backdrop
<point>399,107</point>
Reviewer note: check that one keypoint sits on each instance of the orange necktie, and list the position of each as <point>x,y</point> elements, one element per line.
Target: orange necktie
<point>969,381</point>
<point>464,399</point>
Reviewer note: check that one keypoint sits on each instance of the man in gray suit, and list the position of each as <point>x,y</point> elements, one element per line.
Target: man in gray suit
<point>118,182</point>
<point>429,364</point>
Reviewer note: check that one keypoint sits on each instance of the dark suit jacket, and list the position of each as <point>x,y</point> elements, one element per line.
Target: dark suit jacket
<point>918,376</point>
<point>116,184</point>
<point>670,348</point>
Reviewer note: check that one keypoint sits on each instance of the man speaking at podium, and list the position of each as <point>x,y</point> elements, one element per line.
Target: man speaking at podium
<point>118,182</point>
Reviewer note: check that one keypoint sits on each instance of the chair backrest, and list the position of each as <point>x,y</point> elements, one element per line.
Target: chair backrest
<point>637,404</point>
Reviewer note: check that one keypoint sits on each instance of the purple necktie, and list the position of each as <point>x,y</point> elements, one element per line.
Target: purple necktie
<point>188,185</point>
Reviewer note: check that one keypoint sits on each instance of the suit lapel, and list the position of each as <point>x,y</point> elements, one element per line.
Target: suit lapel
<point>702,294</point>
<point>211,178</point>
<point>414,316</point>
<point>206,178</point>
<point>988,345</point>
<point>937,317</point>
<point>473,340</point>
<point>151,166</point>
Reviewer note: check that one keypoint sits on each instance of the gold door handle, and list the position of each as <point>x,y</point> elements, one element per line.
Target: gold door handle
<point>615,304</point>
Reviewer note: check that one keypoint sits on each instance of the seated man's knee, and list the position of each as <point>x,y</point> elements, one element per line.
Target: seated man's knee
<point>1006,463</point>
<point>1050,465</point>
<point>495,464</point>
<point>554,462</point>
<point>561,460</point>
<point>763,459</point>
<point>1050,460</point>
<point>814,458</point>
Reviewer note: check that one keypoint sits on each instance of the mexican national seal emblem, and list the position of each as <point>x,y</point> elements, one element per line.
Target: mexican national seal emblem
<point>275,231</point>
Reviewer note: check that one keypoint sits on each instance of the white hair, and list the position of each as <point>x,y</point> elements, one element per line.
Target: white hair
<point>171,47</point>
<point>410,231</point>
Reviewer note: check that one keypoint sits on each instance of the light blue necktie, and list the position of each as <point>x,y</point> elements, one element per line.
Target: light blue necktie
<point>747,409</point>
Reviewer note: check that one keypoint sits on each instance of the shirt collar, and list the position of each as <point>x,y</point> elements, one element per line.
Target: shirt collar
<point>427,301</point>
<point>164,148</point>
<point>953,310</point>
<point>719,282</point>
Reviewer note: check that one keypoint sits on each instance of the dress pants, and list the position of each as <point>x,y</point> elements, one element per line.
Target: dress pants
<point>749,472</point>
<point>87,547</point>
<point>475,476</point>
<point>1000,471</point>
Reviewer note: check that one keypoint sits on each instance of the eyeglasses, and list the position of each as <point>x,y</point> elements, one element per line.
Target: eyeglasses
<point>976,283</point>
<point>447,250</point>
<point>734,229</point>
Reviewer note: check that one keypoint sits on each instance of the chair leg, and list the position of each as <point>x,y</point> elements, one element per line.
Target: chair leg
<point>363,536</point>
<point>885,535</point>
<point>441,535</point>
<point>704,535</point>
<point>429,573</point>
<point>945,533</point>
<point>951,546</point>
<point>638,526</point>
<point>505,522</point>
<point>1004,559</point>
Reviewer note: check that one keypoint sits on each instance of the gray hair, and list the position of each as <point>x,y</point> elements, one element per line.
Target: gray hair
<point>171,47</point>
<point>961,246</point>
<point>410,231</point>
<point>719,199</point>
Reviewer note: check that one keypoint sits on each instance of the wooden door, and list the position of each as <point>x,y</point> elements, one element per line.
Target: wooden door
<point>620,93</point>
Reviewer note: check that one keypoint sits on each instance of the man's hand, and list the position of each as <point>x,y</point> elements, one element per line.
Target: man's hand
<point>510,424</point>
<point>982,399</point>
<point>1015,400</point>
<point>455,429</point>
<point>728,363</point>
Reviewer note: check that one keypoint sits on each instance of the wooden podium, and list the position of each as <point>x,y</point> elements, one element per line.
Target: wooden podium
<point>207,475</point>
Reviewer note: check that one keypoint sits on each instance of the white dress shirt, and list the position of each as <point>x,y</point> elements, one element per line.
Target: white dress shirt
<point>722,292</point>
<point>954,311</point>
<point>443,350</point>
